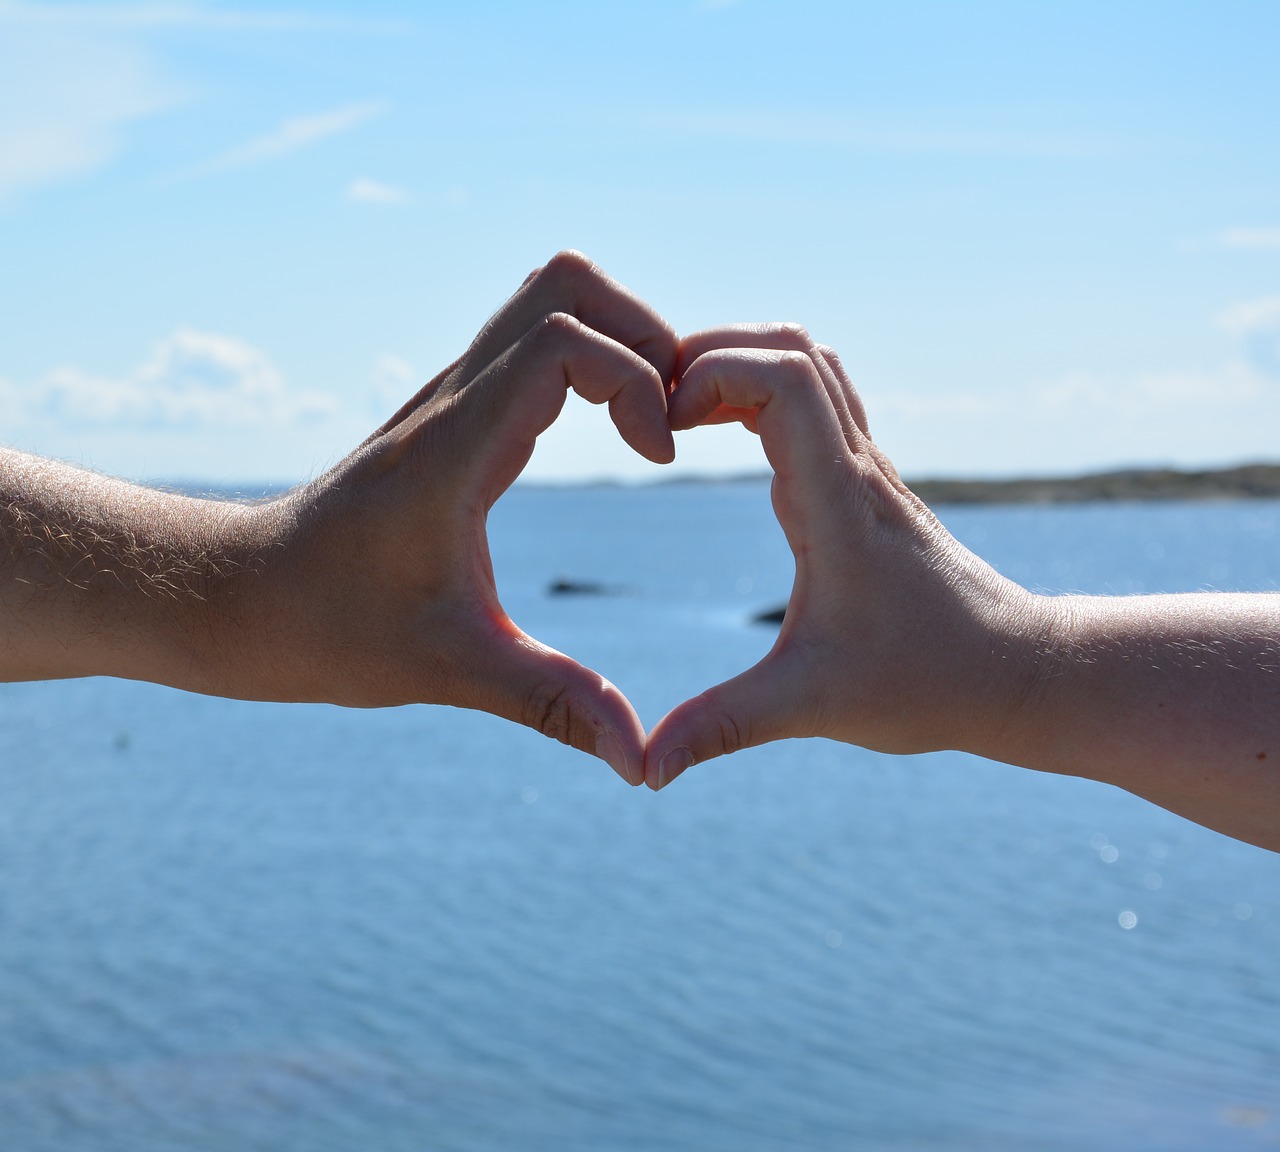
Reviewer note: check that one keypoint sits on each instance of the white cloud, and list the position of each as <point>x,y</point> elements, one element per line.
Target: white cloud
<point>1254,238</point>
<point>365,191</point>
<point>191,379</point>
<point>295,133</point>
<point>64,103</point>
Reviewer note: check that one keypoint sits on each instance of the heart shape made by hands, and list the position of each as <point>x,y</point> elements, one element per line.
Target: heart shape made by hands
<point>875,613</point>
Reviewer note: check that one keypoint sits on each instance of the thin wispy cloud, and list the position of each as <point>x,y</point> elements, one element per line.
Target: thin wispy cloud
<point>65,103</point>
<point>1088,418</point>
<point>1085,420</point>
<point>916,405</point>
<point>1256,326</point>
<point>1234,384</point>
<point>1252,238</point>
<point>1251,316</point>
<point>179,16</point>
<point>392,381</point>
<point>366,191</point>
<point>292,135</point>
<point>74,77</point>
<point>856,132</point>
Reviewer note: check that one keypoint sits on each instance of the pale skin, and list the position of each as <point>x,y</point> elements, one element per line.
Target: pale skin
<point>370,586</point>
<point>897,638</point>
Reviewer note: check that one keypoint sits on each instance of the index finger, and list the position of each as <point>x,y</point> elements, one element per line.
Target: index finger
<point>800,429</point>
<point>568,284</point>
<point>572,284</point>
<point>781,337</point>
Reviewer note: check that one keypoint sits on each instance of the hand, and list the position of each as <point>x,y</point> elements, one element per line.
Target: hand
<point>895,637</point>
<point>377,588</point>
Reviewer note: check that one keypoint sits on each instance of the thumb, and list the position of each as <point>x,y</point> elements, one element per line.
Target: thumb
<point>753,708</point>
<point>532,684</point>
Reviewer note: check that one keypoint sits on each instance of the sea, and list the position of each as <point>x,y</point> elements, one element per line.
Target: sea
<point>231,927</point>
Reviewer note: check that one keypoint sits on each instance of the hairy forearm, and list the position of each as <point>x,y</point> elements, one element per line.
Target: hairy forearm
<point>100,577</point>
<point>1175,698</point>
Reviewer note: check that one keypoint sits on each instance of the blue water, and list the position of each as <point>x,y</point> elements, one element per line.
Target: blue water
<point>242,926</point>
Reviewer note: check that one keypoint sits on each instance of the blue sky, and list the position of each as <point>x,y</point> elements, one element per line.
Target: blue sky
<point>1044,237</point>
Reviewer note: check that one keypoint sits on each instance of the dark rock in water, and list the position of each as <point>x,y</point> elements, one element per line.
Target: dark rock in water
<point>772,616</point>
<point>564,587</point>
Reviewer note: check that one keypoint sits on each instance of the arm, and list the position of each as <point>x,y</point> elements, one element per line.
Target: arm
<point>1175,698</point>
<point>370,586</point>
<point>899,639</point>
<point>100,577</point>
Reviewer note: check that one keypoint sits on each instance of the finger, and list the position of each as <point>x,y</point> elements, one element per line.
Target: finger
<point>725,415</point>
<point>561,351</point>
<point>799,428</point>
<point>860,415</point>
<point>532,684</point>
<point>783,337</point>
<point>568,283</point>
<point>837,369</point>
<point>571,283</point>
<point>753,708</point>
<point>520,394</point>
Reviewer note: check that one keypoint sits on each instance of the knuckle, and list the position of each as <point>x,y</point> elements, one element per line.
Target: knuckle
<point>661,341</point>
<point>555,328</point>
<point>570,266</point>
<point>648,382</point>
<point>734,734</point>
<point>796,368</point>
<point>549,710</point>
<point>796,333</point>
<point>876,491</point>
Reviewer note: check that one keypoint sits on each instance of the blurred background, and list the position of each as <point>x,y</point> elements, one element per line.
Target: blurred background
<point>1045,238</point>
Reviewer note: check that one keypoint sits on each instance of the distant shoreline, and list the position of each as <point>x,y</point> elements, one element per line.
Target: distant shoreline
<point>1242,482</point>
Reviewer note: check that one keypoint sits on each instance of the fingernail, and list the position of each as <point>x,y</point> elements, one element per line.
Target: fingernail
<point>610,751</point>
<point>672,764</point>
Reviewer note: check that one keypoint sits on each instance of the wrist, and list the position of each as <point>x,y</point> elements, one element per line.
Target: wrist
<point>226,628</point>
<point>1026,634</point>
<point>1028,654</point>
